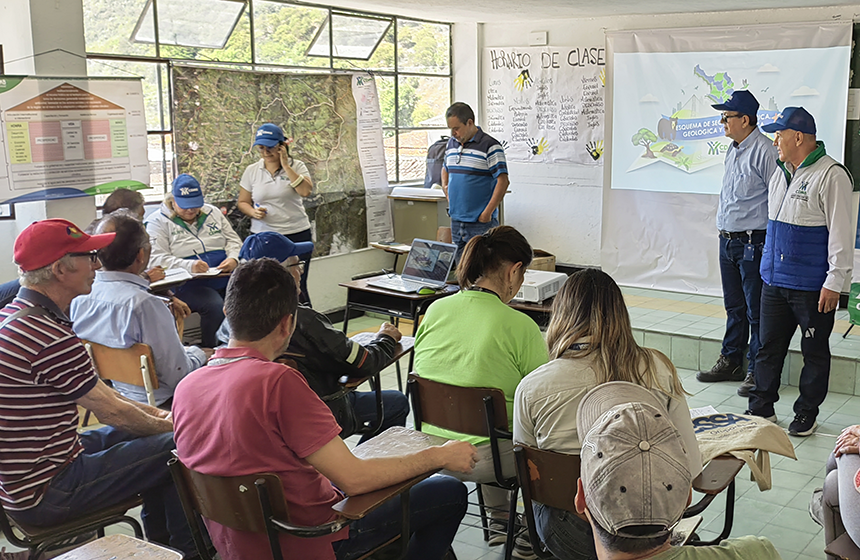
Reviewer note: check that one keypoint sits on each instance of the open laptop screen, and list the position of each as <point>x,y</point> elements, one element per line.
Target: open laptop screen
<point>429,261</point>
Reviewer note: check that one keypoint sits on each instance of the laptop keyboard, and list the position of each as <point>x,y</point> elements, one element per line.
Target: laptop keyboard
<point>398,284</point>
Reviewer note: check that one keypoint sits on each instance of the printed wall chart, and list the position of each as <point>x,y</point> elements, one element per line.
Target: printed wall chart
<point>545,104</point>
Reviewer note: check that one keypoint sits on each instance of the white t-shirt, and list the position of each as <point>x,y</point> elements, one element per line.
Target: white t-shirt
<point>285,212</point>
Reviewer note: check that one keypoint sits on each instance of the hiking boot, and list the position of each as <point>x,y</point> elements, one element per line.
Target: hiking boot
<point>815,506</point>
<point>498,532</point>
<point>771,418</point>
<point>747,386</point>
<point>723,370</point>
<point>523,548</point>
<point>803,425</point>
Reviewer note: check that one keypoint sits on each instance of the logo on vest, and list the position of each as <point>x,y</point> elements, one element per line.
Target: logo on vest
<point>800,193</point>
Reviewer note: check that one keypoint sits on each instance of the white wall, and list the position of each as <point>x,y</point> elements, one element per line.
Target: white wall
<point>558,207</point>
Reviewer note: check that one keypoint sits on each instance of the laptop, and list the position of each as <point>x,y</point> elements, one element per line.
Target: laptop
<point>427,266</point>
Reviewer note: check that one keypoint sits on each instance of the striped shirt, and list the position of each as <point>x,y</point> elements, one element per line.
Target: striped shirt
<point>473,168</point>
<point>43,369</point>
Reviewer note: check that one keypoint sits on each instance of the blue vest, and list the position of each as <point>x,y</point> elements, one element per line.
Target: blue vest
<point>794,257</point>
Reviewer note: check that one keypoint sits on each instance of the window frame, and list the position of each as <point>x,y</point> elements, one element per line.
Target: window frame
<point>165,92</point>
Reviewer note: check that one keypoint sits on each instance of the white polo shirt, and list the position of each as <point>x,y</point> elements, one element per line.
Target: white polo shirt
<point>285,212</point>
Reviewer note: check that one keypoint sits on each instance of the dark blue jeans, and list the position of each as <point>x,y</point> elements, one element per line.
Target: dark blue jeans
<point>742,298</point>
<point>209,303</point>
<point>462,232</point>
<point>395,409</point>
<point>782,311</point>
<point>564,534</point>
<point>305,235</point>
<point>437,505</point>
<point>114,467</point>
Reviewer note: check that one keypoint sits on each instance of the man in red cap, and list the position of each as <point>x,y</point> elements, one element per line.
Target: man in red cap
<point>49,474</point>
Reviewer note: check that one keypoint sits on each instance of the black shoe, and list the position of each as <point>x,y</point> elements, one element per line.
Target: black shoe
<point>803,425</point>
<point>723,370</point>
<point>747,386</point>
<point>771,418</point>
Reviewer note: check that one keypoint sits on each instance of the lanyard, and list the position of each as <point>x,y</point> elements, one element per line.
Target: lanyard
<point>485,290</point>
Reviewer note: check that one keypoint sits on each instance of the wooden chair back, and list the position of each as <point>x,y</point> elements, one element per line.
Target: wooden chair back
<point>460,409</point>
<point>232,501</point>
<point>547,477</point>
<point>132,365</point>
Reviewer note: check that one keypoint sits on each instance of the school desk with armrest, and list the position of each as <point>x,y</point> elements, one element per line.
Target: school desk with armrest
<point>133,365</point>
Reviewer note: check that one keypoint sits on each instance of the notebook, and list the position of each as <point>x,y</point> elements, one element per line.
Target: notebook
<point>427,266</point>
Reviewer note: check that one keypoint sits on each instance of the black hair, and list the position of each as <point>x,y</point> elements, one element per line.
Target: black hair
<point>130,238</point>
<point>123,198</point>
<point>462,111</point>
<point>632,545</point>
<point>487,253</point>
<point>260,294</point>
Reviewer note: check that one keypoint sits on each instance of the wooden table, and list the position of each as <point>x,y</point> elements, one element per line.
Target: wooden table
<point>120,547</point>
<point>539,312</point>
<point>370,299</point>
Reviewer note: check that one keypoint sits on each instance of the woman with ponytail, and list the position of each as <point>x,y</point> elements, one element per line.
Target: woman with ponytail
<point>473,339</point>
<point>590,343</point>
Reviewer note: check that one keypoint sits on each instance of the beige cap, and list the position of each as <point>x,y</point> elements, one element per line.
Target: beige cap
<point>634,466</point>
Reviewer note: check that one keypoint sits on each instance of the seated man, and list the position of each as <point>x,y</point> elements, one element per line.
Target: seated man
<point>245,414</point>
<point>635,483</point>
<point>120,311</point>
<point>49,474</point>
<point>324,354</point>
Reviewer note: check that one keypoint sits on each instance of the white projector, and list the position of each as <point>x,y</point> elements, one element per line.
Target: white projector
<point>540,285</point>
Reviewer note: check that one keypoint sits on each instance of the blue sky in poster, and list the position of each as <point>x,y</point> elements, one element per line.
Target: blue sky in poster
<point>653,151</point>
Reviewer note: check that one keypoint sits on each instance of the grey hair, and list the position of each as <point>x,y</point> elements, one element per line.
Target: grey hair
<point>44,275</point>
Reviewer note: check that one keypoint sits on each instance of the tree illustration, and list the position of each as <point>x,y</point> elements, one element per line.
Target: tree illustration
<point>644,138</point>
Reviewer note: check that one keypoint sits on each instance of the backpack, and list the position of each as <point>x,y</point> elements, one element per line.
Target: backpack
<point>435,159</point>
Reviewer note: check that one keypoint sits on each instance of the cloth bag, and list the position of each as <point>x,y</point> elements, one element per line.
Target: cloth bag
<point>749,438</point>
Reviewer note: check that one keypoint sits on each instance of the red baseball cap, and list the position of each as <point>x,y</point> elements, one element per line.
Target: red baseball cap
<point>47,241</point>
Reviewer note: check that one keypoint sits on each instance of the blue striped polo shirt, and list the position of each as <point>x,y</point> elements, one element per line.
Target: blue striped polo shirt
<point>473,168</point>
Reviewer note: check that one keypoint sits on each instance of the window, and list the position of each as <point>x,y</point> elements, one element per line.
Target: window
<point>410,59</point>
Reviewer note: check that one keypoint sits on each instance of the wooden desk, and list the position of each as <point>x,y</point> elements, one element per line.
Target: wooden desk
<point>539,312</point>
<point>120,547</point>
<point>366,298</point>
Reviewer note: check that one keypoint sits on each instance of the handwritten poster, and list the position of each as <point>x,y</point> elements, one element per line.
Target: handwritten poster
<point>545,104</point>
<point>371,154</point>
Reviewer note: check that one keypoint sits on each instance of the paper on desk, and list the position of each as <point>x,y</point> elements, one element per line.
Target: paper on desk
<point>363,338</point>
<point>211,272</point>
<point>703,411</point>
<point>396,441</point>
<point>172,276</point>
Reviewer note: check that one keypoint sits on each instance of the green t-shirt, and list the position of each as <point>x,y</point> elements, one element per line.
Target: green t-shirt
<point>741,548</point>
<point>472,339</point>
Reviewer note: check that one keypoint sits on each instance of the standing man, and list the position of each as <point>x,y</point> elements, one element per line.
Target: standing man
<point>806,259</point>
<point>474,177</point>
<point>742,222</point>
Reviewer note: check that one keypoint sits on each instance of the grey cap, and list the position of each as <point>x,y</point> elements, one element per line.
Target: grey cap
<point>634,466</point>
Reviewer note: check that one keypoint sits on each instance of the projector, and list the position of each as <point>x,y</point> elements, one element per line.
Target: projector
<point>540,285</point>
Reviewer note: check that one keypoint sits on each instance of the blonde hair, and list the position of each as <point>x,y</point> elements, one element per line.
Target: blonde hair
<point>590,306</point>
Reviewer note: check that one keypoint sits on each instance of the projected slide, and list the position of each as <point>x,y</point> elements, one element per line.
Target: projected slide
<point>667,137</point>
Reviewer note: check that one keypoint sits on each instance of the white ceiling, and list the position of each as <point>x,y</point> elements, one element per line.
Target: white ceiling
<point>533,10</point>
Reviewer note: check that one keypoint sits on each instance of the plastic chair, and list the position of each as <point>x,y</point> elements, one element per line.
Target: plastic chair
<point>479,411</point>
<point>38,539</point>
<point>227,500</point>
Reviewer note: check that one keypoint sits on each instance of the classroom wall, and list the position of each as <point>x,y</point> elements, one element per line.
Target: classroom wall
<point>558,207</point>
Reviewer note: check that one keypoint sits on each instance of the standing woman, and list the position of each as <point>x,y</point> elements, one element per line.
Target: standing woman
<point>271,193</point>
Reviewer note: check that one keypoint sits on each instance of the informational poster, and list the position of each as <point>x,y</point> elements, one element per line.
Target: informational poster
<point>666,136</point>
<point>371,154</point>
<point>59,135</point>
<point>545,104</point>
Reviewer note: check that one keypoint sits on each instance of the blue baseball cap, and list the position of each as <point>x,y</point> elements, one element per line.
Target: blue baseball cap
<point>187,193</point>
<point>795,118</point>
<point>741,101</point>
<point>269,135</point>
<point>274,246</point>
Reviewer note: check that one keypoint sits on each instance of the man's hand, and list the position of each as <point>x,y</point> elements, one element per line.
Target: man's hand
<point>828,301</point>
<point>459,456</point>
<point>155,274</point>
<point>209,352</point>
<point>228,265</point>
<point>180,308</point>
<point>390,330</point>
<point>485,216</point>
<point>199,267</point>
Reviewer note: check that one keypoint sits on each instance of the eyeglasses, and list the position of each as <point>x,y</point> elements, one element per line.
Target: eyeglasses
<point>92,255</point>
<point>459,153</point>
<point>725,118</point>
<point>299,265</point>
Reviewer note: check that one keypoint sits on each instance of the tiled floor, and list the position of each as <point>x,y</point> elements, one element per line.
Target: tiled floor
<point>779,514</point>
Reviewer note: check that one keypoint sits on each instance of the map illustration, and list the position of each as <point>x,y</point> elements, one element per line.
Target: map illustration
<point>217,112</point>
